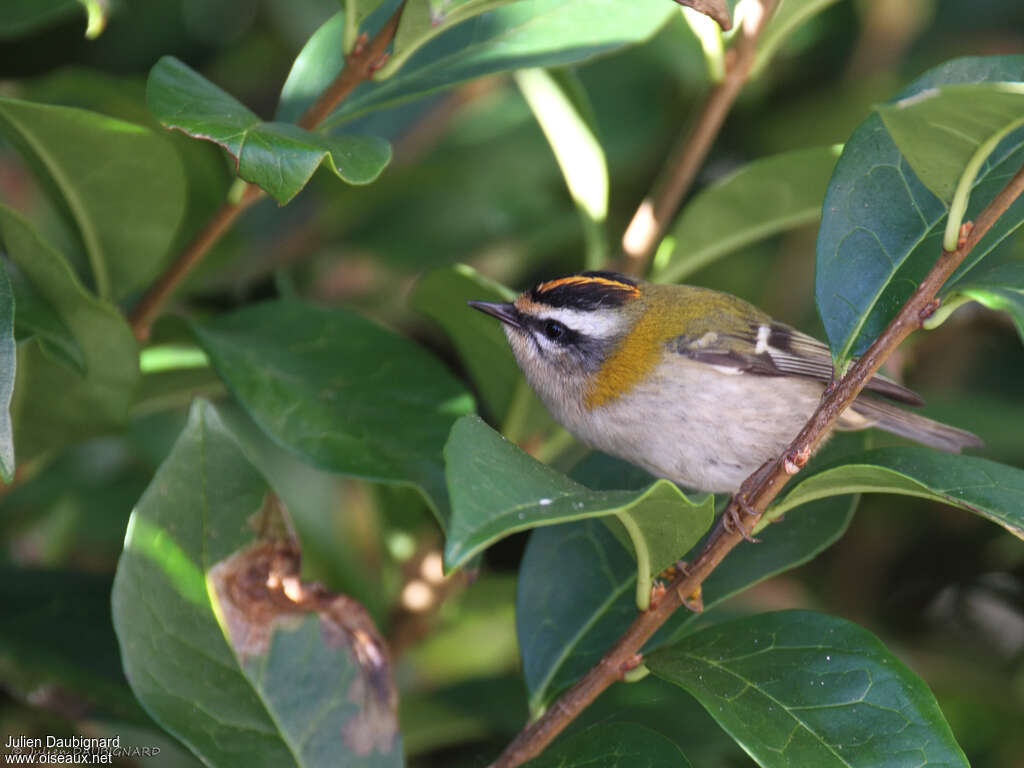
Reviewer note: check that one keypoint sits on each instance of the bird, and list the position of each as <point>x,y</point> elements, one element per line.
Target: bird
<point>690,384</point>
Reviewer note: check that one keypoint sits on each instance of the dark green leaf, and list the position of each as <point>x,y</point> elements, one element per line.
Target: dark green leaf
<point>881,228</point>
<point>788,16</point>
<point>55,404</point>
<point>496,489</point>
<point>341,391</point>
<point>797,688</point>
<point>941,129</point>
<point>526,33</point>
<point>576,585</point>
<point>8,367</point>
<point>761,199</point>
<point>19,18</point>
<point>120,184</point>
<point>355,13</point>
<point>1000,288</point>
<point>441,295</point>
<point>237,671</point>
<point>279,157</point>
<point>37,318</point>
<point>987,488</point>
<point>34,659</point>
<point>612,745</point>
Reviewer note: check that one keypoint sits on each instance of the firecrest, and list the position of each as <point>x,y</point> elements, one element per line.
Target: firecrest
<point>691,384</point>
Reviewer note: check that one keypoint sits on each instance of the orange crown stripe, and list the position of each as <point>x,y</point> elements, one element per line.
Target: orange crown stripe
<point>584,280</point>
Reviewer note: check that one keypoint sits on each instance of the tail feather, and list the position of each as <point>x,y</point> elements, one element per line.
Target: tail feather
<point>871,412</point>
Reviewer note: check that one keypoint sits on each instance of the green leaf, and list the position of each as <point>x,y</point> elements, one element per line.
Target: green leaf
<point>576,585</point>
<point>8,366</point>
<point>19,18</point>
<point>121,186</point>
<point>526,33</point>
<point>940,129</point>
<point>423,20</point>
<point>987,488</point>
<point>788,16</point>
<point>612,745</point>
<point>881,229</point>
<point>340,391</point>
<point>947,133</point>
<point>37,318</point>
<point>1000,288</point>
<point>279,157</point>
<point>319,62</point>
<point>759,200</point>
<point>441,295</point>
<point>221,658</point>
<point>52,403</point>
<point>355,13</point>
<point>496,490</point>
<point>559,104</point>
<point>798,688</point>
<point>86,674</point>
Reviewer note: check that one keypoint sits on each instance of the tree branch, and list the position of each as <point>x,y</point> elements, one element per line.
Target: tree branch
<point>360,64</point>
<point>651,218</point>
<point>758,491</point>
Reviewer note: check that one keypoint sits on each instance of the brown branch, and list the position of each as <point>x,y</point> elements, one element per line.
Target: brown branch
<point>360,64</point>
<point>757,492</point>
<point>652,217</point>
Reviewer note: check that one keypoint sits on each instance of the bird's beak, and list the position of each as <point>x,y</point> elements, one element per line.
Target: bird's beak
<point>507,313</point>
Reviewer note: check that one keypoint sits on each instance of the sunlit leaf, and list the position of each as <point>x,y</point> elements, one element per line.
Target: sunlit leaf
<point>882,229</point>
<point>759,200</point>
<point>994,491</point>
<point>222,643</point>
<point>278,157</point>
<point>121,185</point>
<point>1000,288</point>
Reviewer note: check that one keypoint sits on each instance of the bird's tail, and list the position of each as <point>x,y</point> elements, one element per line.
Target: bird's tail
<point>871,412</point>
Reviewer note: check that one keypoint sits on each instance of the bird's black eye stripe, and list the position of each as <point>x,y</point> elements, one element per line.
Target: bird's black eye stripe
<point>554,330</point>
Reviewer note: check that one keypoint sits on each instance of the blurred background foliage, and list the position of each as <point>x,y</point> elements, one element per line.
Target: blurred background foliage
<point>474,181</point>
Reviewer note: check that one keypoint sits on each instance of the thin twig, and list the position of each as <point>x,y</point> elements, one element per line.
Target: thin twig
<point>757,492</point>
<point>651,218</point>
<point>360,64</point>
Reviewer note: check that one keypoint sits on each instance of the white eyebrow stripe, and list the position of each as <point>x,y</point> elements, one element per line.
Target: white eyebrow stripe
<point>591,323</point>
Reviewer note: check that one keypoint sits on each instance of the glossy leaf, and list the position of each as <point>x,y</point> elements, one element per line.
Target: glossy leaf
<point>987,488</point>
<point>319,62</point>
<point>8,367</point>
<point>340,391</point>
<point>940,129</point>
<point>355,13</point>
<point>479,340</point>
<point>612,745</point>
<point>881,228</point>
<point>1000,288</point>
<point>496,490</point>
<point>788,16</point>
<point>56,404</point>
<point>798,688</point>
<point>559,104</point>
<point>423,20</point>
<point>761,199</point>
<point>526,33</point>
<point>238,672</point>
<point>576,585</point>
<point>278,157</point>
<point>121,186</point>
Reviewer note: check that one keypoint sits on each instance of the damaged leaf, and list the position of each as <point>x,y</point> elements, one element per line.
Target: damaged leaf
<point>221,641</point>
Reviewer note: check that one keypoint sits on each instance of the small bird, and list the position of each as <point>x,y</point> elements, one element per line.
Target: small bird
<point>691,384</point>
